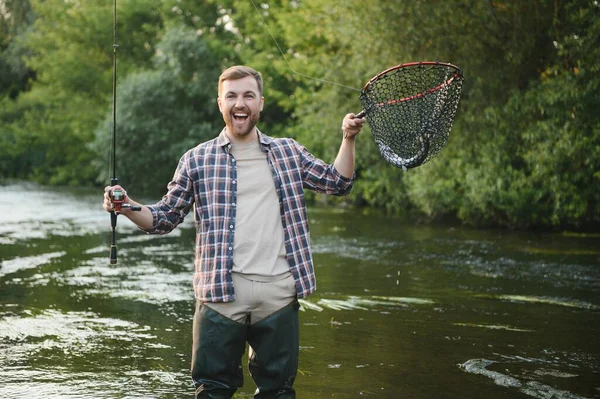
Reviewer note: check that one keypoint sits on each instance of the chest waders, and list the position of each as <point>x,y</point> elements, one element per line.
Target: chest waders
<point>219,344</point>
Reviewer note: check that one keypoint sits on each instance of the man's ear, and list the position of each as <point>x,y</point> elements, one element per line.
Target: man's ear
<point>219,104</point>
<point>262,103</point>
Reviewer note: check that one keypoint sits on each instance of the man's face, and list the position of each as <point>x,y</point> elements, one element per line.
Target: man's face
<point>240,103</point>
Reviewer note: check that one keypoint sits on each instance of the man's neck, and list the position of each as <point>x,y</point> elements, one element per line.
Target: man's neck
<point>245,139</point>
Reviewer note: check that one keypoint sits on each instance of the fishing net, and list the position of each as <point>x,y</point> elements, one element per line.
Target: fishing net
<point>410,109</point>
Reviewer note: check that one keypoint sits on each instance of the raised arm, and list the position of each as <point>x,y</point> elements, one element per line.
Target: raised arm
<point>344,162</point>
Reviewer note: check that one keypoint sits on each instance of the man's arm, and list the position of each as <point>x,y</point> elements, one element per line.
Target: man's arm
<point>143,219</point>
<point>344,162</point>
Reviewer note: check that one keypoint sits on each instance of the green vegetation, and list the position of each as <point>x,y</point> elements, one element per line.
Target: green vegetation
<point>524,151</point>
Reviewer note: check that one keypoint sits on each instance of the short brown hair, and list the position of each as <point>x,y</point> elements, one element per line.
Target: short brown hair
<point>239,72</point>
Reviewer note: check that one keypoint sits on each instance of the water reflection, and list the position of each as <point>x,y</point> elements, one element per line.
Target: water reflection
<point>28,262</point>
<point>401,310</point>
<point>47,353</point>
<point>360,303</point>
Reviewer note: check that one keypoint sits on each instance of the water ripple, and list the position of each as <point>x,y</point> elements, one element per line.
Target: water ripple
<point>533,388</point>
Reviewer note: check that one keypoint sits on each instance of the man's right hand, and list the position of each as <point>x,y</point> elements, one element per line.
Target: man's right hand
<point>108,205</point>
<point>142,216</point>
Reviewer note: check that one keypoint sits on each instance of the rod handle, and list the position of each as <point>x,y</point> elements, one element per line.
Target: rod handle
<point>113,254</point>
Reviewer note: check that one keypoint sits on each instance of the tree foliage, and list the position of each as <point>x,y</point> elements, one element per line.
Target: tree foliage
<point>523,152</point>
<point>46,130</point>
<point>162,112</point>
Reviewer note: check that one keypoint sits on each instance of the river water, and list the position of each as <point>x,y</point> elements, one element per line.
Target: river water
<point>402,310</point>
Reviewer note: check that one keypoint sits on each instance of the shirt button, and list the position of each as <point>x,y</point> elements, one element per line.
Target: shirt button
<point>233,204</point>
<point>231,226</point>
<point>230,248</point>
<point>234,182</point>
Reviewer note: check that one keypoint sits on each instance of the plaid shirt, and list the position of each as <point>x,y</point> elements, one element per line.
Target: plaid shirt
<point>206,176</point>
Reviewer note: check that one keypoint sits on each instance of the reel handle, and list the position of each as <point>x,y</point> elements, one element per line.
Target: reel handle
<point>132,207</point>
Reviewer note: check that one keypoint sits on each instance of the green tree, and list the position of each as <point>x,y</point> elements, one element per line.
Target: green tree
<point>523,151</point>
<point>162,112</point>
<point>507,52</point>
<point>530,157</point>
<point>16,18</point>
<point>46,129</point>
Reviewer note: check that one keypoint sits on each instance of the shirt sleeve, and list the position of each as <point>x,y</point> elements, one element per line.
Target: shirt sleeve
<point>171,210</point>
<point>322,177</point>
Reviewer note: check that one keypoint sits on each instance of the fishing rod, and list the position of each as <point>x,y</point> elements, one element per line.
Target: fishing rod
<point>117,196</point>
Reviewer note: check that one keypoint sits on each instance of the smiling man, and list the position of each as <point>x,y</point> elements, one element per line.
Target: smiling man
<point>253,257</point>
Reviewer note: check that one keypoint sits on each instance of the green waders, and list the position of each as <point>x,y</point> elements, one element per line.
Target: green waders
<point>217,349</point>
<point>220,342</point>
<point>274,345</point>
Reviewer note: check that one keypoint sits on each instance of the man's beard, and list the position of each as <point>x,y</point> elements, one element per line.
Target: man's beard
<point>238,130</point>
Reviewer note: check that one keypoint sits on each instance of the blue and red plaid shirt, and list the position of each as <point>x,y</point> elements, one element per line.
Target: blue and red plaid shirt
<point>206,177</point>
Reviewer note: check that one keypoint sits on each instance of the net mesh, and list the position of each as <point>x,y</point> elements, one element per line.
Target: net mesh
<point>410,110</point>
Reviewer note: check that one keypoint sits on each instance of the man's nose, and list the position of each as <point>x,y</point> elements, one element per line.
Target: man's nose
<point>239,102</point>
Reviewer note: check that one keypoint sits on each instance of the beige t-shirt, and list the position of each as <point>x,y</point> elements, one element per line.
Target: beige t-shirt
<point>259,240</point>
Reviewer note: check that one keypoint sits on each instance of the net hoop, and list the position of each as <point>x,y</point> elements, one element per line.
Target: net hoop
<point>457,75</point>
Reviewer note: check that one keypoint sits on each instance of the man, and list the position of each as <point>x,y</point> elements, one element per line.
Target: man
<point>253,256</point>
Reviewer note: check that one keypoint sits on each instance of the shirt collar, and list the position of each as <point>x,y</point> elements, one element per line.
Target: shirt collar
<point>223,139</point>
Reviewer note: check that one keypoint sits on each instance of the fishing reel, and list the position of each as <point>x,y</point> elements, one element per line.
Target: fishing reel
<point>118,197</point>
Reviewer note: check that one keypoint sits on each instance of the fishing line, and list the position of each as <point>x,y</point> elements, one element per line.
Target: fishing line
<point>288,62</point>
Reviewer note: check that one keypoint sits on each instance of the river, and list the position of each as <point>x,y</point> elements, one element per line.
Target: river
<point>402,310</point>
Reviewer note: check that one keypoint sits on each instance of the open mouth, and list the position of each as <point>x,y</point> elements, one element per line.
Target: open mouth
<point>240,117</point>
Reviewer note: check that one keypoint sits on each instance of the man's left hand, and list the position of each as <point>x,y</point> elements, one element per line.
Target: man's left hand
<point>351,125</point>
